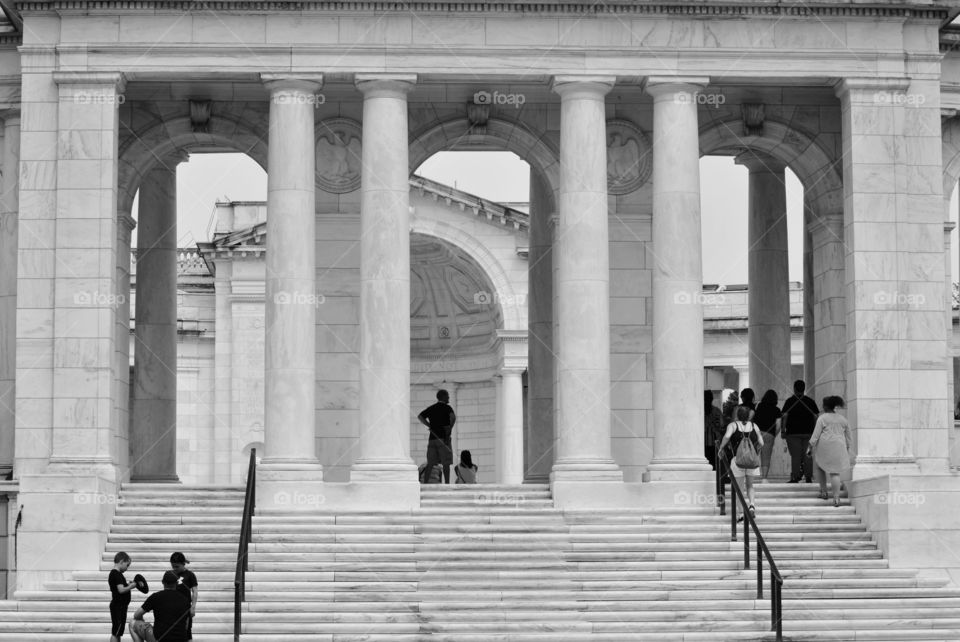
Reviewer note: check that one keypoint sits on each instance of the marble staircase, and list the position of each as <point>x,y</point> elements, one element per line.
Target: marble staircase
<point>500,564</point>
<point>151,522</point>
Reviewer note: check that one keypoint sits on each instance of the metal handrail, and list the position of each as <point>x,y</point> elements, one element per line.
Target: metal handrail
<point>246,527</point>
<point>776,580</point>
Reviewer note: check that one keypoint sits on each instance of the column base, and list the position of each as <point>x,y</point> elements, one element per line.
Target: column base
<point>290,485</point>
<point>586,470</point>
<point>870,467</point>
<point>692,469</point>
<point>158,479</point>
<point>384,470</point>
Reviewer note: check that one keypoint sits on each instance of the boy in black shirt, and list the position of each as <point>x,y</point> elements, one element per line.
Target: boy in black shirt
<point>171,611</point>
<point>186,585</point>
<point>119,595</point>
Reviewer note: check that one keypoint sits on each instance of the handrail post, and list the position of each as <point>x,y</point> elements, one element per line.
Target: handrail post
<point>760,572</point>
<point>246,528</point>
<point>746,539</point>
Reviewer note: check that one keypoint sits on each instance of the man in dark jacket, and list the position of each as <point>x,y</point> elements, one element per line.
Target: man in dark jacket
<point>799,418</point>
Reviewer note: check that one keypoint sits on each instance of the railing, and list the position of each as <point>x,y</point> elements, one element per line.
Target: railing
<point>240,578</point>
<point>749,523</point>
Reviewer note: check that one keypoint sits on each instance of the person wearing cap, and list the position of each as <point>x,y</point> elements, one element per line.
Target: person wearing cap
<point>187,585</point>
<point>171,612</point>
<point>119,595</point>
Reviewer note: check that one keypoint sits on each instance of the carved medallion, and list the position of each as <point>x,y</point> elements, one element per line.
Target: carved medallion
<point>629,157</point>
<point>338,155</point>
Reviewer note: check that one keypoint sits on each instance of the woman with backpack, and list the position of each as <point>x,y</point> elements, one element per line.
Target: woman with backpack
<point>746,441</point>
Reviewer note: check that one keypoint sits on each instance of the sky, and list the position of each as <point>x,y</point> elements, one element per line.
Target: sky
<point>502,176</point>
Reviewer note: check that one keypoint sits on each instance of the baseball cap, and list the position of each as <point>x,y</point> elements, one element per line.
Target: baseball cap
<point>178,558</point>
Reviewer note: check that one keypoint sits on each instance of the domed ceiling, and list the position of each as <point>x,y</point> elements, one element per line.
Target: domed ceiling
<point>452,306</point>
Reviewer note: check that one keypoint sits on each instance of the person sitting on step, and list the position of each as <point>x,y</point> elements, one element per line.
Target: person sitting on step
<point>466,470</point>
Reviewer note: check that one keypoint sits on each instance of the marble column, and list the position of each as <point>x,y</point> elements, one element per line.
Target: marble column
<point>768,316</point>
<point>121,377</point>
<point>385,282</point>
<point>539,438</point>
<point>582,286</point>
<point>829,307</point>
<point>743,378</point>
<point>509,436</point>
<point>153,433</point>
<point>9,206</point>
<point>290,285</point>
<point>677,283</point>
<point>948,228</point>
<point>809,343</point>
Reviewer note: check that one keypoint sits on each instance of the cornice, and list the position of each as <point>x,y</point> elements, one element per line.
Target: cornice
<point>703,8</point>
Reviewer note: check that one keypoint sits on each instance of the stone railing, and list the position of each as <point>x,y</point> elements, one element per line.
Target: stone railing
<point>189,262</point>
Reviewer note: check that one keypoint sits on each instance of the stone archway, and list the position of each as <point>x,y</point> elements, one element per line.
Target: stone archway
<point>513,316</point>
<point>533,147</point>
<point>142,150</point>
<point>824,274</point>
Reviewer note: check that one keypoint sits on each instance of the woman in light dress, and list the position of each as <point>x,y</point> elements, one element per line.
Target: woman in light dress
<point>831,447</point>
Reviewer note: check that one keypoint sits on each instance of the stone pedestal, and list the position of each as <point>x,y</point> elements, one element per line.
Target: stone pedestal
<point>385,291</point>
<point>677,284</point>
<point>153,434</point>
<point>290,465</point>
<point>913,518</point>
<point>582,291</point>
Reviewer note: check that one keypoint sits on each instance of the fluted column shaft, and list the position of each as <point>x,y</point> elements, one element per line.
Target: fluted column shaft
<point>153,433</point>
<point>384,281</point>
<point>9,205</point>
<point>677,282</point>
<point>291,297</point>
<point>583,292</point>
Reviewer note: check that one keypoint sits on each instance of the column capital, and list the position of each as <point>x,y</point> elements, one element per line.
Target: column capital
<point>568,85</point>
<point>949,226</point>
<point>8,115</point>
<point>115,78</point>
<point>756,161</point>
<point>306,83</point>
<point>846,86</point>
<point>512,346</point>
<point>831,223</point>
<point>170,160</point>
<point>666,85</point>
<point>125,222</point>
<point>385,84</point>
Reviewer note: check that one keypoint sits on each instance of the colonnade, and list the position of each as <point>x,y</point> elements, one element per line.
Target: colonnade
<point>571,322</point>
